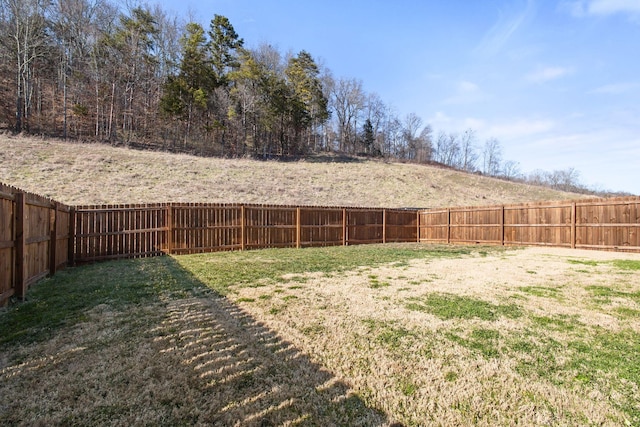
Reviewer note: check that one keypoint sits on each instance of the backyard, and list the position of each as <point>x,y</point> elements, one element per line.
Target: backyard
<point>359,335</point>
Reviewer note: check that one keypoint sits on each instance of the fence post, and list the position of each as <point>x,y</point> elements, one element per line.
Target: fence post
<point>243,227</point>
<point>19,221</point>
<point>169,228</point>
<point>384,226</point>
<point>417,226</point>
<point>71,252</point>
<point>573,225</point>
<point>298,229</point>
<point>448,226</point>
<point>502,225</point>
<point>344,227</point>
<point>53,238</point>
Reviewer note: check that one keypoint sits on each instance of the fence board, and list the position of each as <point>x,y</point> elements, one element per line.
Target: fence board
<point>7,247</point>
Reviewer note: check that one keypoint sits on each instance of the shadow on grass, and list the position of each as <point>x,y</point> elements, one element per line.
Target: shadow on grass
<point>172,352</point>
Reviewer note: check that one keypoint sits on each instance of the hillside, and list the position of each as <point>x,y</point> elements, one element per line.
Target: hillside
<point>77,173</point>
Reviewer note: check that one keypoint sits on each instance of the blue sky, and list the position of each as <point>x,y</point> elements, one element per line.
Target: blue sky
<point>556,82</point>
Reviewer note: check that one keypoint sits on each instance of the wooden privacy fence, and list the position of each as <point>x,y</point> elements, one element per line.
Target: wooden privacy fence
<point>34,240</point>
<point>125,231</point>
<point>604,224</point>
<point>39,235</point>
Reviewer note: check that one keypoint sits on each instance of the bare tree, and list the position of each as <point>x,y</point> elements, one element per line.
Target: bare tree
<point>447,149</point>
<point>468,153</point>
<point>491,157</point>
<point>347,101</point>
<point>24,26</point>
<point>511,170</point>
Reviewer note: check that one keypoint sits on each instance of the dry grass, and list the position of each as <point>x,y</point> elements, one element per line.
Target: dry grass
<point>426,368</point>
<point>340,336</point>
<point>76,173</point>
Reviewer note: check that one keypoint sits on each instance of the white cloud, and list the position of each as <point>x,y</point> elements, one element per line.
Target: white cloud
<point>616,88</point>
<point>465,92</point>
<point>581,8</point>
<point>546,74</point>
<point>609,7</point>
<point>520,128</point>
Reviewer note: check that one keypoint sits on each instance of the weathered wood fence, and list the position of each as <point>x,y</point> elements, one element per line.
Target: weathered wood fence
<point>111,232</point>
<point>39,235</point>
<point>604,224</point>
<point>34,240</point>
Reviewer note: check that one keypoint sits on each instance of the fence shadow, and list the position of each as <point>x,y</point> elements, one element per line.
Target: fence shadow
<point>252,376</point>
<point>202,349</point>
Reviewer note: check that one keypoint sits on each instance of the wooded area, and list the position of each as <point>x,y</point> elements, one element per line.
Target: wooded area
<point>138,76</point>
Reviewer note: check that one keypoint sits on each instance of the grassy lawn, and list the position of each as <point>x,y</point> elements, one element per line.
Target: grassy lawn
<point>366,335</point>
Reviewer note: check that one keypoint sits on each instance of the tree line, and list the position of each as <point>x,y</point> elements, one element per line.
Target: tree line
<point>91,70</point>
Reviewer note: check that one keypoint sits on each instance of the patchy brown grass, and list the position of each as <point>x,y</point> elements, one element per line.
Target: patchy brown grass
<point>443,336</point>
<point>425,369</point>
<point>77,173</point>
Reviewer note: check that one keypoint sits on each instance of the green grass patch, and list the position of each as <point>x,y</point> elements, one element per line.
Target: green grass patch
<point>626,264</point>
<point>542,291</point>
<point>224,270</point>
<point>480,341</point>
<point>375,284</point>
<point>449,306</point>
<point>560,323</point>
<point>407,387</point>
<point>451,376</point>
<point>627,313</point>
<point>592,357</point>
<point>63,300</point>
<point>603,294</point>
<point>390,335</point>
<point>583,262</point>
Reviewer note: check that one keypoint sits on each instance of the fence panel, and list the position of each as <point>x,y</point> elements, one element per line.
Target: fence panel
<point>434,226</point>
<point>62,236</point>
<point>205,228</point>
<point>539,225</point>
<point>113,232</point>
<point>33,242</point>
<point>365,226</point>
<point>270,227</point>
<point>37,235</point>
<point>321,227</point>
<point>476,225</point>
<point>611,225</point>
<point>401,226</point>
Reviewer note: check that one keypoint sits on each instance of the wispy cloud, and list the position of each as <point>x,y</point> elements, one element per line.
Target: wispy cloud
<point>466,92</point>
<point>582,8</point>
<point>616,88</point>
<point>545,74</point>
<point>519,128</point>
<point>500,33</point>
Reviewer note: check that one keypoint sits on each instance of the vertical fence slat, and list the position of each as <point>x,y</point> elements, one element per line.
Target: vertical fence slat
<point>19,221</point>
<point>53,239</point>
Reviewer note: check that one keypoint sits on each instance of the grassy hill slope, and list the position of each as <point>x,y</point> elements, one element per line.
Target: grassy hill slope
<point>77,173</point>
